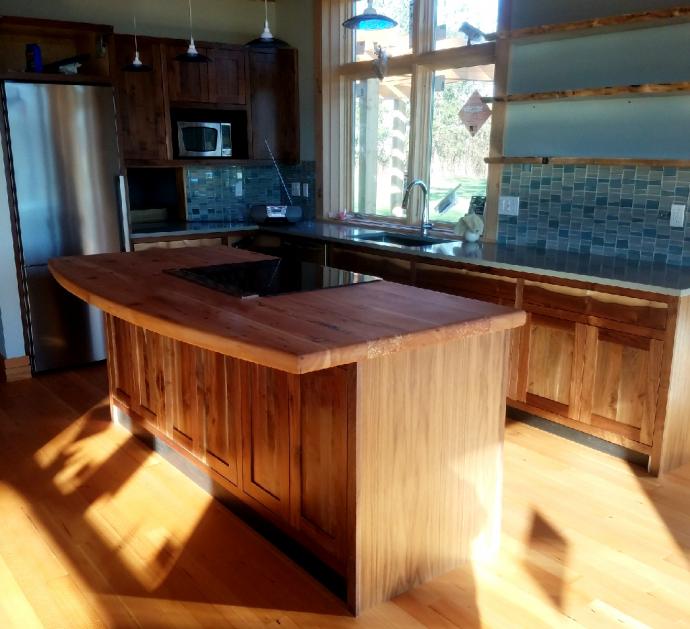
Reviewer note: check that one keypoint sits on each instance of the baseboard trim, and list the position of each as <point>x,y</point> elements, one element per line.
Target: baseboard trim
<point>621,452</point>
<point>14,369</point>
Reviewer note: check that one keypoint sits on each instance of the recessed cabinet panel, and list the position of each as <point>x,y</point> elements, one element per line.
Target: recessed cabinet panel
<point>621,383</point>
<point>321,501</point>
<point>274,104</point>
<point>266,436</point>
<point>187,81</point>
<point>227,77</point>
<point>220,409</point>
<point>552,365</point>
<point>142,108</point>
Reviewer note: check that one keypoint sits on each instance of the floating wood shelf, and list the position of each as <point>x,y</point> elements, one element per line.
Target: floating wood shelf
<point>596,161</point>
<point>602,25</point>
<point>617,91</point>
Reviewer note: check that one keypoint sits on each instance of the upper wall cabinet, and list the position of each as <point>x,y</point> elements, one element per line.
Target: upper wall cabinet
<point>220,81</point>
<point>143,112</point>
<point>227,76</point>
<point>274,103</point>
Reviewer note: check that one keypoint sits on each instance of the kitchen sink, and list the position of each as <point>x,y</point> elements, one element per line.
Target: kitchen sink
<point>404,240</point>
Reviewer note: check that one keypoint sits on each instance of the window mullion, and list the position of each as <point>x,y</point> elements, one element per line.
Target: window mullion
<point>420,124</point>
<point>420,115</point>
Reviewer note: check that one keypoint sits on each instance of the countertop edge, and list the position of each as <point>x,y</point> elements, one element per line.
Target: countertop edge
<point>276,359</point>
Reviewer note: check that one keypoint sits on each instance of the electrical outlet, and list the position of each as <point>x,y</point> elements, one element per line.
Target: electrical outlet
<point>296,189</point>
<point>305,190</point>
<point>238,189</point>
<point>677,215</point>
<point>509,206</point>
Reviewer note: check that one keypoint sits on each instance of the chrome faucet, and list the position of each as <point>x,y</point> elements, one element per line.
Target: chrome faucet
<point>426,224</point>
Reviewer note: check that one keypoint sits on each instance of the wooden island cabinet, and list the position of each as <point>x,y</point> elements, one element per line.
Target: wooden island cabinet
<point>328,413</point>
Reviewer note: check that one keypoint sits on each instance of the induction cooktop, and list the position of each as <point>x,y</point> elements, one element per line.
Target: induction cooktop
<point>264,278</point>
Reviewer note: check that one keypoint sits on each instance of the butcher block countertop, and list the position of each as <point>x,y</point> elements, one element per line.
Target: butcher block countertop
<point>297,333</point>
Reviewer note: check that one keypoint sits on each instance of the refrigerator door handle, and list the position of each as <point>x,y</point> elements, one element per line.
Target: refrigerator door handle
<point>124,211</point>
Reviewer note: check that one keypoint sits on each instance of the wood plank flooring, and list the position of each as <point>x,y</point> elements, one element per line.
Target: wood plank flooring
<point>93,534</point>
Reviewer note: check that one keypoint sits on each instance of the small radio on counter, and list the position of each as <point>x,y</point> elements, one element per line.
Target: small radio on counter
<point>263,214</point>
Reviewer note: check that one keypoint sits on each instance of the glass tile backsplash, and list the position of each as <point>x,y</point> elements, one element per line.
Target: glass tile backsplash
<point>225,193</point>
<point>607,210</point>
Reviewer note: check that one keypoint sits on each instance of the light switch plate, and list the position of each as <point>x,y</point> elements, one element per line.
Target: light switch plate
<point>305,190</point>
<point>509,206</point>
<point>677,215</point>
<point>296,189</point>
<point>238,189</point>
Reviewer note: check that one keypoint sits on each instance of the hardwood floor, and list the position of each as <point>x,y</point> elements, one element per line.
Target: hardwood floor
<point>91,534</point>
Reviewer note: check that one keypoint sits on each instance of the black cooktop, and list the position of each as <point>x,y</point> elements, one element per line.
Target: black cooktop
<point>263,278</point>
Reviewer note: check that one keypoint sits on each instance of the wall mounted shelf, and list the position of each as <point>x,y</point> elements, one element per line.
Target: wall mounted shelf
<point>617,91</point>
<point>595,161</point>
<point>598,26</point>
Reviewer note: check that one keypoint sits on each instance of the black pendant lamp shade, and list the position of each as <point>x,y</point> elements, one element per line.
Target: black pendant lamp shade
<point>192,55</point>
<point>136,65</point>
<point>266,39</point>
<point>370,20</point>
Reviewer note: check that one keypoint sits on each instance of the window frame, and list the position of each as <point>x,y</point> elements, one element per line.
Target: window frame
<point>336,74</point>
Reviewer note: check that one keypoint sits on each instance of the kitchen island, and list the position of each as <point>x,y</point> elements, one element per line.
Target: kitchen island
<point>365,422</point>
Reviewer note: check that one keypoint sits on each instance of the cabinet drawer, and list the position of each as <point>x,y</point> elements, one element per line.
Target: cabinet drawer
<point>392,269</point>
<point>470,284</point>
<point>589,305</point>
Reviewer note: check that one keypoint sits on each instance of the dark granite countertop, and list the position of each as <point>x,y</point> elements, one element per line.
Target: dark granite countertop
<point>607,271</point>
<point>190,228</point>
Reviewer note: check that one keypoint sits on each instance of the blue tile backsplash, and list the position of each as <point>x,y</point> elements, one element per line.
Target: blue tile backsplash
<point>619,211</point>
<point>224,193</point>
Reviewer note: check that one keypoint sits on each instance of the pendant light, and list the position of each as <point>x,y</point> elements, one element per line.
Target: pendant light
<point>192,54</point>
<point>370,20</point>
<point>136,65</point>
<point>266,39</point>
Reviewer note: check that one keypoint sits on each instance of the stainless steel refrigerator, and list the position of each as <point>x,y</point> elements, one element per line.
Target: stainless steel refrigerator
<point>65,179</point>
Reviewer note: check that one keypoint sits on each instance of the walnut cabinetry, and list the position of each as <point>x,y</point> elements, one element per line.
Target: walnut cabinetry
<point>277,440</point>
<point>253,89</point>
<point>603,360</point>
<point>142,107</point>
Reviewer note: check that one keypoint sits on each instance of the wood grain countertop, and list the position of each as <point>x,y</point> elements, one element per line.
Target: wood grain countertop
<point>297,333</point>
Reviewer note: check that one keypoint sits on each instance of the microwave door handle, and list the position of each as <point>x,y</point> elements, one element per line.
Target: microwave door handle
<point>124,211</point>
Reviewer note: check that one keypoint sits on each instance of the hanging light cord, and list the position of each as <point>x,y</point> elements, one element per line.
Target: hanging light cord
<point>191,28</point>
<point>136,43</point>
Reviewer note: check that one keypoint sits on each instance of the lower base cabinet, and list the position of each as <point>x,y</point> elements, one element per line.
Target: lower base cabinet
<point>591,358</point>
<point>275,440</point>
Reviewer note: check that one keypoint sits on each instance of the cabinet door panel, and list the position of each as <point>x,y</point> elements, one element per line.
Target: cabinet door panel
<point>219,407</point>
<point>142,110</point>
<point>148,372</point>
<point>227,77</point>
<point>622,381</point>
<point>266,437</point>
<point>319,498</point>
<point>274,104</point>
<point>553,365</point>
<point>187,82</point>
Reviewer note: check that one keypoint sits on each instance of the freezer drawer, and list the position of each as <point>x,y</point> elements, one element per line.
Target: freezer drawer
<point>65,331</point>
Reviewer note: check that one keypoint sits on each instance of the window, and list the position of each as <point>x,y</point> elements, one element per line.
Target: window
<point>428,117</point>
<point>381,144</point>
<point>452,14</point>
<point>396,41</point>
<point>460,134</point>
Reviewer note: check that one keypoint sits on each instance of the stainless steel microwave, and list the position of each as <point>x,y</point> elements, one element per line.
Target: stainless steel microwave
<point>204,139</point>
